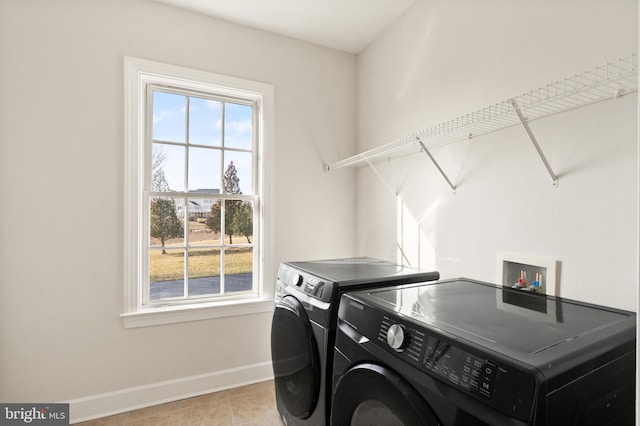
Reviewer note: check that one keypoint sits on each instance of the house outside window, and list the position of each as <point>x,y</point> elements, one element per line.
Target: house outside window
<point>196,194</point>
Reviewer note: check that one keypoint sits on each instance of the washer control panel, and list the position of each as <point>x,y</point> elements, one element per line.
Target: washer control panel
<point>458,367</point>
<point>395,337</point>
<point>401,338</point>
<point>468,368</point>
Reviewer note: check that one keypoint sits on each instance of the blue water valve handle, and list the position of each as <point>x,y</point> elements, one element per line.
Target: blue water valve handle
<point>536,283</point>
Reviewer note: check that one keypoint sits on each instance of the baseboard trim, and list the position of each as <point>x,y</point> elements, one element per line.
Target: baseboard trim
<point>111,403</point>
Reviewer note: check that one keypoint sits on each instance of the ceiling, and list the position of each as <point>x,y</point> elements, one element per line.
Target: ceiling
<point>347,25</point>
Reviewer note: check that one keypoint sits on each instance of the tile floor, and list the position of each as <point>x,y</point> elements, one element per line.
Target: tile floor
<point>252,405</point>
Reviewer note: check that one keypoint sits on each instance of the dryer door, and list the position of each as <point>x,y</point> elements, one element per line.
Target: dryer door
<point>369,394</point>
<point>296,363</point>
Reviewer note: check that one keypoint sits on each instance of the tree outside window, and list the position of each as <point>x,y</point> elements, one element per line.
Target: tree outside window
<point>238,214</point>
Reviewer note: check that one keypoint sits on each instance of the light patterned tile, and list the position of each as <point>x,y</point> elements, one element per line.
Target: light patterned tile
<point>260,387</point>
<point>163,414</point>
<point>117,420</point>
<point>171,418</point>
<point>216,412</point>
<point>210,398</point>
<point>251,405</point>
<point>268,420</point>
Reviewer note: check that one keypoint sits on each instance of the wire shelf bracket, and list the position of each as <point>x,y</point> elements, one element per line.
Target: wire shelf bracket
<point>435,163</point>
<point>382,179</point>
<point>609,81</point>
<point>554,177</point>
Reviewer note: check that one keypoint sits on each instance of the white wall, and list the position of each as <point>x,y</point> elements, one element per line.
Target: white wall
<point>443,59</point>
<point>61,192</point>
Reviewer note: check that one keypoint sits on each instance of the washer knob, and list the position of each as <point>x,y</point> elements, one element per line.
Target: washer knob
<point>296,280</point>
<point>396,337</point>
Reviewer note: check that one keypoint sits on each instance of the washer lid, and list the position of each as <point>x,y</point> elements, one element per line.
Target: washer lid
<point>512,322</point>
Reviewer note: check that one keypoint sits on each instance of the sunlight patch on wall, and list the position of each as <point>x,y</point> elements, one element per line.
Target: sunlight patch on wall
<point>415,243</point>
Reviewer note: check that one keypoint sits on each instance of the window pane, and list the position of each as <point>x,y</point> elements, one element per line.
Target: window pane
<point>204,222</point>
<point>204,169</point>
<point>238,127</point>
<point>230,208</point>
<point>230,180</point>
<point>238,269</point>
<point>166,222</point>
<point>197,215</point>
<point>205,121</point>
<point>166,274</point>
<point>242,162</point>
<point>204,271</point>
<point>169,117</point>
<point>239,221</point>
<point>167,168</point>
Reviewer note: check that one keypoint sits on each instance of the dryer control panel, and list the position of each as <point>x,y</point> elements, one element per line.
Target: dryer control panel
<point>308,284</point>
<point>467,368</point>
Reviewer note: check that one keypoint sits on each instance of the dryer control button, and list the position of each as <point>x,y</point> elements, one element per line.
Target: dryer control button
<point>296,280</point>
<point>396,337</point>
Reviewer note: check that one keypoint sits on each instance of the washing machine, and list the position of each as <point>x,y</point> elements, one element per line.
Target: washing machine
<point>304,327</point>
<point>466,353</point>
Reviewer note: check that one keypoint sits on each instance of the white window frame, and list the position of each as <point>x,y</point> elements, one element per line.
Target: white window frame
<point>138,74</point>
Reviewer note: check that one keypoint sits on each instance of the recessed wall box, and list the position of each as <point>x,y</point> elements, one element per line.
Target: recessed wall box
<point>527,273</point>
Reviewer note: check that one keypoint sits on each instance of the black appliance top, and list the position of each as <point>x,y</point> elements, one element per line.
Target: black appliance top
<point>354,271</point>
<point>515,323</point>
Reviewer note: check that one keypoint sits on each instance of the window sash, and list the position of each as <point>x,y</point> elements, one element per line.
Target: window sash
<point>186,194</point>
<point>223,246</point>
<point>255,105</point>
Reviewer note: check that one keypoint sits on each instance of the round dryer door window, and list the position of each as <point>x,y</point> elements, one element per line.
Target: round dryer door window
<point>369,394</point>
<point>296,362</point>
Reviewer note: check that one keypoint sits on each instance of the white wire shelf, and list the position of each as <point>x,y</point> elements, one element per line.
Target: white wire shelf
<point>601,83</point>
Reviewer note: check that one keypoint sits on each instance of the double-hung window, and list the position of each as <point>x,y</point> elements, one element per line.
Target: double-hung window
<point>196,222</point>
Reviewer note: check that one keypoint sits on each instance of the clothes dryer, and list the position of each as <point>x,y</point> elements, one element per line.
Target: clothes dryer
<point>304,326</point>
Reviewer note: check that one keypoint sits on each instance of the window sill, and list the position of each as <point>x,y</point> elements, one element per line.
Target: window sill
<point>176,314</point>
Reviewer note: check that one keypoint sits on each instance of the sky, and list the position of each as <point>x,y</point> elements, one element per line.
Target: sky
<point>205,129</point>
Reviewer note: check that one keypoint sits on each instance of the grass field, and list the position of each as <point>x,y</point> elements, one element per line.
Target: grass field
<point>203,262</point>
